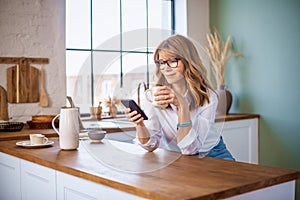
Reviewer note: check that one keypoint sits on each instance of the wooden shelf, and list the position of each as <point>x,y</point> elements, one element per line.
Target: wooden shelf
<point>18,60</point>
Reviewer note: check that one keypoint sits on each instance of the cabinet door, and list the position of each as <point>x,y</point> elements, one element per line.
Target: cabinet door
<point>241,138</point>
<point>282,191</point>
<point>9,177</point>
<point>73,188</point>
<point>37,182</point>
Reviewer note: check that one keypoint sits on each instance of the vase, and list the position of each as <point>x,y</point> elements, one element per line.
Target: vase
<point>225,100</point>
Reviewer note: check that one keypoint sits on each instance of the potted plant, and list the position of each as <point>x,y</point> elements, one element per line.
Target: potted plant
<point>218,52</point>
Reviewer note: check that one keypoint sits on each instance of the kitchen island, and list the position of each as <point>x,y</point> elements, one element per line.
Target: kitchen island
<point>125,169</point>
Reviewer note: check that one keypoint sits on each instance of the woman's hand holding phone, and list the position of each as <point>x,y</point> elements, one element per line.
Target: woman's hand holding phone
<point>133,112</point>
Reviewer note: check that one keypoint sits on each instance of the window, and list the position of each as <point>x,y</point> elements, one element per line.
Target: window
<point>109,46</point>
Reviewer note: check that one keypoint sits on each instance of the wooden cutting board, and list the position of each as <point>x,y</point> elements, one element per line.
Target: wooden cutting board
<point>3,104</point>
<point>23,79</point>
<point>22,83</point>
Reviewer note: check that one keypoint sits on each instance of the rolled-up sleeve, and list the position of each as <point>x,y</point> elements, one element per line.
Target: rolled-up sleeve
<point>186,145</point>
<point>151,145</point>
<point>154,128</point>
<point>202,124</point>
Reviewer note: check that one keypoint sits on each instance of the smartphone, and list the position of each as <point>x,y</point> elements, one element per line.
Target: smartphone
<point>129,103</point>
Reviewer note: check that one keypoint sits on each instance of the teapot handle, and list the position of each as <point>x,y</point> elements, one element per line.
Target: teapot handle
<point>138,91</point>
<point>53,126</point>
<point>149,95</point>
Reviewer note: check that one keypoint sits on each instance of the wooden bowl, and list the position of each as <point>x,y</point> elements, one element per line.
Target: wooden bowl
<point>42,125</point>
<point>42,122</point>
<point>42,118</point>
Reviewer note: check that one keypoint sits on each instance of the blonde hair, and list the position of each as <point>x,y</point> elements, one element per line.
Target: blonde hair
<point>194,71</point>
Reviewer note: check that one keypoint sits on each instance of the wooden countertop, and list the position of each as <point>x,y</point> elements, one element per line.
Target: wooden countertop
<point>180,177</point>
<point>24,134</point>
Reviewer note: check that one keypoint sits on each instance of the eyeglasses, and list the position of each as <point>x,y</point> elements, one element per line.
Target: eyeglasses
<point>171,62</point>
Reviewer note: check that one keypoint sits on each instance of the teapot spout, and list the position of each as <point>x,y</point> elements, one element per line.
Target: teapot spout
<point>70,100</point>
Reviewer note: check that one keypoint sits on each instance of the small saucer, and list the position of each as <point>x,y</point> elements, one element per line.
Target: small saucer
<point>83,135</point>
<point>27,144</point>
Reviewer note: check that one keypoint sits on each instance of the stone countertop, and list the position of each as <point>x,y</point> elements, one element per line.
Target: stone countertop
<point>171,175</point>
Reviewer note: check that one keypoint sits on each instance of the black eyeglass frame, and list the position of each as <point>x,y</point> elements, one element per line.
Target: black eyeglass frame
<point>161,63</point>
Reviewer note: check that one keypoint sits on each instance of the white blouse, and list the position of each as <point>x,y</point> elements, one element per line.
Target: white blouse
<point>162,125</point>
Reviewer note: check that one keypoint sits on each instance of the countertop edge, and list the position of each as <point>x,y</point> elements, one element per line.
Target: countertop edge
<point>236,116</point>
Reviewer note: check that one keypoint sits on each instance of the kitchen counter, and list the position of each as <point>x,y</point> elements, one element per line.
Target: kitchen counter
<point>172,176</point>
<point>109,125</point>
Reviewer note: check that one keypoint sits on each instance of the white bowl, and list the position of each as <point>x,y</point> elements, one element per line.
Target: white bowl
<point>96,135</point>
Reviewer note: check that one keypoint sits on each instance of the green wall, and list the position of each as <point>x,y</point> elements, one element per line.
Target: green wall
<point>267,80</point>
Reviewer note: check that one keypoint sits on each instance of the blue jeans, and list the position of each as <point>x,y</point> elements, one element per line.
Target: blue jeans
<point>220,151</point>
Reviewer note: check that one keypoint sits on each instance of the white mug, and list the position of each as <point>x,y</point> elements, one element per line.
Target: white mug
<point>149,93</point>
<point>36,139</point>
<point>68,128</point>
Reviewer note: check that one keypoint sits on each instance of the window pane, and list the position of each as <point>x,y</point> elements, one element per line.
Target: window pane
<point>79,78</point>
<point>159,14</point>
<point>106,24</point>
<point>160,24</point>
<point>78,24</point>
<point>135,40</point>
<point>134,24</point>
<point>134,72</point>
<point>156,36</point>
<point>152,68</point>
<point>106,73</point>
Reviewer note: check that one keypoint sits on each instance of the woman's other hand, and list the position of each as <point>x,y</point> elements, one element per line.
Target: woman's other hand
<point>165,95</point>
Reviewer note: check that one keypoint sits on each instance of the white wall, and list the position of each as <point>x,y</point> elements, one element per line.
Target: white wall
<point>35,28</point>
<point>192,19</point>
<point>198,20</point>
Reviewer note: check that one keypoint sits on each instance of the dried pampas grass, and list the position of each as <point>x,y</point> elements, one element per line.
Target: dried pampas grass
<point>219,54</point>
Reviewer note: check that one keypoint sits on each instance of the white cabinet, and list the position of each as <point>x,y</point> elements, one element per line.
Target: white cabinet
<point>241,138</point>
<point>37,182</point>
<point>10,186</point>
<point>283,191</point>
<point>21,179</point>
<point>73,188</point>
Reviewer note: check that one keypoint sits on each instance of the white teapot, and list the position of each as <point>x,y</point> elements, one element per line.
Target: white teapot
<point>68,128</point>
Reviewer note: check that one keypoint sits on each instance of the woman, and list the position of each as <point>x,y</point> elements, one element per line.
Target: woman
<point>187,124</point>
